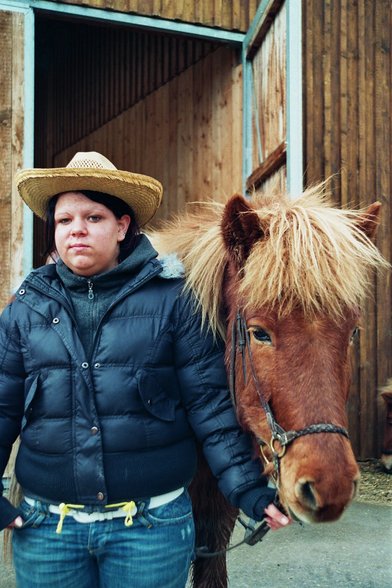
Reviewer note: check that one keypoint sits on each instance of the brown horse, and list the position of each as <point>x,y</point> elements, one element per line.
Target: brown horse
<point>283,280</point>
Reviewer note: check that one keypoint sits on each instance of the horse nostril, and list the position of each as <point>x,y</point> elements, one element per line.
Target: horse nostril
<point>307,495</point>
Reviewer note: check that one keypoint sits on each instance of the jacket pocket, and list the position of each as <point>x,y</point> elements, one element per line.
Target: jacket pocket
<point>31,387</point>
<point>155,398</point>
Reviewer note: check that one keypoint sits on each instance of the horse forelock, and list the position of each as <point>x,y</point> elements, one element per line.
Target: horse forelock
<point>311,256</point>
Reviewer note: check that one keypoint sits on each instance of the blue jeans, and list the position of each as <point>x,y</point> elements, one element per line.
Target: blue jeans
<point>155,552</point>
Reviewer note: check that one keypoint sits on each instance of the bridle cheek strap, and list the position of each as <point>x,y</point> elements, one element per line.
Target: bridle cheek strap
<point>280,438</point>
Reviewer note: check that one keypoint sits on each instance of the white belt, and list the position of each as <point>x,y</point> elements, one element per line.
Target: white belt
<point>87,517</point>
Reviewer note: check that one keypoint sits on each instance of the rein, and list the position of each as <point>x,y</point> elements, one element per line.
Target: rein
<point>280,438</point>
<point>253,535</point>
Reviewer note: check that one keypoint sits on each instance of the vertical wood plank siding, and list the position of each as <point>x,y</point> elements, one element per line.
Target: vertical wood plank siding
<point>347,125</point>
<point>182,124</point>
<point>186,134</point>
<point>11,151</point>
<point>90,74</point>
<point>6,27</point>
<point>171,107</point>
<point>269,75</point>
<point>267,53</point>
<point>225,14</point>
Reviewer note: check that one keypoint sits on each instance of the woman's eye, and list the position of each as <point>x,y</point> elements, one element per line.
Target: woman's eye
<point>261,335</point>
<point>62,221</point>
<point>94,218</point>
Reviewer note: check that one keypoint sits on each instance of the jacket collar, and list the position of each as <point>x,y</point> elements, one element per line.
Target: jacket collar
<point>114,278</point>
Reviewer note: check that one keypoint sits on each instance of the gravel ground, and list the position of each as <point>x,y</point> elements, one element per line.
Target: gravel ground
<point>375,486</point>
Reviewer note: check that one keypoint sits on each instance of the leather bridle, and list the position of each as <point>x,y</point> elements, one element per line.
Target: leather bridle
<point>280,439</point>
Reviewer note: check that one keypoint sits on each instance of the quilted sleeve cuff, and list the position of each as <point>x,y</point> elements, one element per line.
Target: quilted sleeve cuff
<point>253,502</point>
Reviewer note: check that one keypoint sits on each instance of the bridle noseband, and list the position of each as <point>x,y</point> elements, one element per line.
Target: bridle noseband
<point>280,439</point>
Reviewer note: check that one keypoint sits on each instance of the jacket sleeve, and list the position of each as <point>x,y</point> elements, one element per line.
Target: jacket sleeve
<point>11,402</point>
<point>202,376</point>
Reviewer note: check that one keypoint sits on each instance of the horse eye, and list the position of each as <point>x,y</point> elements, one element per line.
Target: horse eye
<point>355,333</point>
<point>261,335</point>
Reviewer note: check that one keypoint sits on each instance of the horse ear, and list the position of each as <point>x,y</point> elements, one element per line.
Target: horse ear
<point>370,220</point>
<point>240,228</point>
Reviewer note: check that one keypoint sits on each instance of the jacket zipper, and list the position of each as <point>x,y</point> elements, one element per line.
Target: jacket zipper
<point>90,294</point>
<point>147,278</point>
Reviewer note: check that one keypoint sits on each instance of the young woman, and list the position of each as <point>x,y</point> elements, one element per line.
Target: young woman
<point>109,380</point>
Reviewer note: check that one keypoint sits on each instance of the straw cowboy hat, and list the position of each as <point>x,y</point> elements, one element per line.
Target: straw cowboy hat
<point>90,171</point>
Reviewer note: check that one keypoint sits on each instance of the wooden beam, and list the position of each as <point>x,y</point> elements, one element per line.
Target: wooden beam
<point>266,21</point>
<point>273,162</point>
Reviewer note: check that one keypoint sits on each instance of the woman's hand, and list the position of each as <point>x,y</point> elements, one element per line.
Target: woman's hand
<point>275,519</point>
<point>18,522</point>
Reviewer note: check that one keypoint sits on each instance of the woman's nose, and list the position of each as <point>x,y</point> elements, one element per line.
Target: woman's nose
<point>78,228</point>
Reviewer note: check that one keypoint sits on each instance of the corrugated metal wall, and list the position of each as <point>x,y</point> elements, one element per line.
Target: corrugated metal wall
<point>348,130</point>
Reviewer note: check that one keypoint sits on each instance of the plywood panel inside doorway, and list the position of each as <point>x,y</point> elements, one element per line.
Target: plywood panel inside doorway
<point>187,134</point>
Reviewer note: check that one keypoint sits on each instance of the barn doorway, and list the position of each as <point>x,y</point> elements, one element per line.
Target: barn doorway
<point>155,103</point>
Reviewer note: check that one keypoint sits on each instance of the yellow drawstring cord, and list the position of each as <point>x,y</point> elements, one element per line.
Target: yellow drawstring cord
<point>64,510</point>
<point>128,508</point>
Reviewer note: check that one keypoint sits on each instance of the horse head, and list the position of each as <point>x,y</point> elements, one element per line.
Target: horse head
<point>284,282</point>
<point>296,274</point>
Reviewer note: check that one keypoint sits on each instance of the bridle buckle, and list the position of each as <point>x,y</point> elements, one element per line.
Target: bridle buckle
<point>278,446</point>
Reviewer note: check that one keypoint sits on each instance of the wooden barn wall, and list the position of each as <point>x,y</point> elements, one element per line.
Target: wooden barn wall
<point>11,150</point>
<point>274,183</point>
<point>187,134</point>
<point>226,14</point>
<point>267,53</point>
<point>269,106</point>
<point>348,129</point>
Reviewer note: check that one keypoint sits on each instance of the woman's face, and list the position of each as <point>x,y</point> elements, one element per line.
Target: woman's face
<point>87,234</point>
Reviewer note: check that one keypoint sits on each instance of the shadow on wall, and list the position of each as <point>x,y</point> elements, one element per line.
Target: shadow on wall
<point>386,452</point>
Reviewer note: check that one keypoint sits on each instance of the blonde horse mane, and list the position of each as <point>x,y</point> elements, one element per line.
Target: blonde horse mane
<point>312,255</point>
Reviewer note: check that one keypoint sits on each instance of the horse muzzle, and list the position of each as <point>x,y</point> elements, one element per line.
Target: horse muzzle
<point>316,495</point>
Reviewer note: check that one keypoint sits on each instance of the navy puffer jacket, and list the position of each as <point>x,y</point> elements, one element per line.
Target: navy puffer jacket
<point>121,426</point>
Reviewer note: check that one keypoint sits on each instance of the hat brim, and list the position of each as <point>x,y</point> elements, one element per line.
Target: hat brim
<point>142,193</point>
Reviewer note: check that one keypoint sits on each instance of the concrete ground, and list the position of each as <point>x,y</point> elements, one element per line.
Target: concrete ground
<point>355,552</point>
